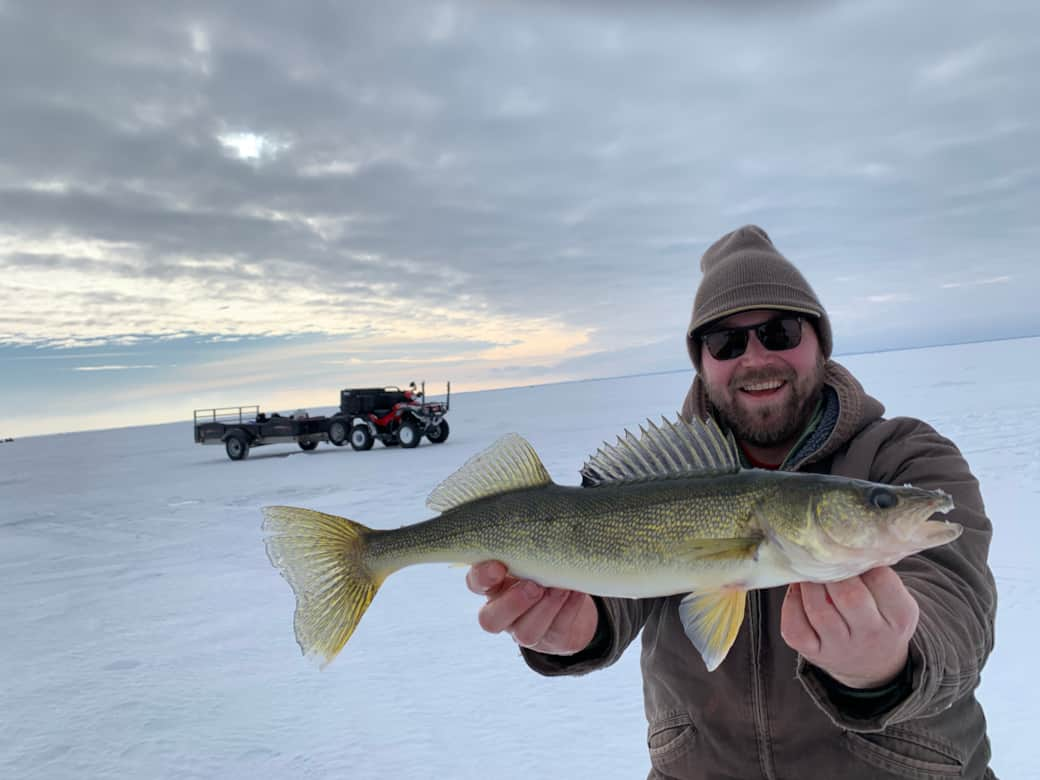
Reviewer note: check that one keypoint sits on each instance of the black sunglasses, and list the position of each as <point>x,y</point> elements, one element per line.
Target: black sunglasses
<point>776,335</point>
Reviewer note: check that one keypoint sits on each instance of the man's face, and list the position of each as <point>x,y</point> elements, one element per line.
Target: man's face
<point>765,397</point>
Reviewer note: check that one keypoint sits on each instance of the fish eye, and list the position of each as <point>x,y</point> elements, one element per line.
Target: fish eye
<point>882,498</point>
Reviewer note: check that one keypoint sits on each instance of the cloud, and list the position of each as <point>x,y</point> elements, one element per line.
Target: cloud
<point>976,282</point>
<point>890,298</point>
<point>541,177</point>
<point>955,66</point>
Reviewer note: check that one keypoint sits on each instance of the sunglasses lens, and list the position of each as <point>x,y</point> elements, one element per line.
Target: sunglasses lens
<point>775,335</point>
<point>726,344</point>
<point>780,334</point>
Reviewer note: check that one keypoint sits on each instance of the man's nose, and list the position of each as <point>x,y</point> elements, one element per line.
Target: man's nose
<point>755,352</point>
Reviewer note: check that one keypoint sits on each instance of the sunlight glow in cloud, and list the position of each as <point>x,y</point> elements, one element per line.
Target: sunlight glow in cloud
<point>251,146</point>
<point>225,300</point>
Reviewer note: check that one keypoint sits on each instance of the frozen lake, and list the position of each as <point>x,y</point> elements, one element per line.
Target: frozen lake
<point>146,634</point>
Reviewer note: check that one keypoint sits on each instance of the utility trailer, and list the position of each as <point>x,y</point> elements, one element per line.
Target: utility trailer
<point>389,414</point>
<point>239,428</point>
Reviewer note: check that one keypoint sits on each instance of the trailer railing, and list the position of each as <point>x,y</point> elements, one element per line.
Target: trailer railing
<point>227,414</point>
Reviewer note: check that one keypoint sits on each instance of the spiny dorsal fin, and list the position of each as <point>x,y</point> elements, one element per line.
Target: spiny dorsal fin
<point>675,449</point>
<point>508,464</point>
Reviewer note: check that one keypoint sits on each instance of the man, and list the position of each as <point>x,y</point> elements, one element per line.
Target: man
<point>872,677</point>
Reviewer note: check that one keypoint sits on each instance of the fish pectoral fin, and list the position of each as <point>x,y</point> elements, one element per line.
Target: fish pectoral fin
<point>711,620</point>
<point>741,548</point>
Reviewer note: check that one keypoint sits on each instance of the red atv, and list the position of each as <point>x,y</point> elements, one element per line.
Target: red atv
<point>392,415</point>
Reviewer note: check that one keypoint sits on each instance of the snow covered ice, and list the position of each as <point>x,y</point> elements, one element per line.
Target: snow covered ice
<point>146,634</point>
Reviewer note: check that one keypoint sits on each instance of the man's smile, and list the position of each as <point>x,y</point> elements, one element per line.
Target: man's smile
<point>766,389</point>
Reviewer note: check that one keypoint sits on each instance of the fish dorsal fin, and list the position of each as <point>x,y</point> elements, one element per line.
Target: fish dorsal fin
<point>509,464</point>
<point>673,449</point>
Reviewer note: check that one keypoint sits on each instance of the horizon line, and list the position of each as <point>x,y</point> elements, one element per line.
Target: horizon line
<point>940,345</point>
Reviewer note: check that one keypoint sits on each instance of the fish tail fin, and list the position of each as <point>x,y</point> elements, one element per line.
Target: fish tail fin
<point>322,557</point>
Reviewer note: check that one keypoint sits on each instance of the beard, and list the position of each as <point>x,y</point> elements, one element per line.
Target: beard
<point>767,425</point>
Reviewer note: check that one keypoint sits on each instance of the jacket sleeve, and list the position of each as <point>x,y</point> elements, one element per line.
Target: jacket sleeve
<point>953,584</point>
<point>620,621</point>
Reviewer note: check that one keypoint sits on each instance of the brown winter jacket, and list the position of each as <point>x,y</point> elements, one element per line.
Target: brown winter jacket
<point>765,712</point>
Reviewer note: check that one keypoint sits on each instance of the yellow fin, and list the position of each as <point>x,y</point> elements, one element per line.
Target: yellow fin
<point>735,549</point>
<point>508,464</point>
<point>322,558</point>
<point>711,621</point>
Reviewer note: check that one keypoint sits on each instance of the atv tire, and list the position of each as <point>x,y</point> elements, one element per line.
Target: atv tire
<point>361,438</point>
<point>438,433</point>
<point>408,434</point>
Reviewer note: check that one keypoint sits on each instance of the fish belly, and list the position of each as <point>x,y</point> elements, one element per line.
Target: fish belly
<point>653,580</point>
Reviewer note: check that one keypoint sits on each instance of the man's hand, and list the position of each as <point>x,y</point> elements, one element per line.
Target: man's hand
<point>857,630</point>
<point>549,620</point>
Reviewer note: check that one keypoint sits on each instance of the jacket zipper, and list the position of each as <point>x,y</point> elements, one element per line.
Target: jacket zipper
<point>758,694</point>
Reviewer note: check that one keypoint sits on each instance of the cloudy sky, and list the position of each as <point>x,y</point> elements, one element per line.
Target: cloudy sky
<point>223,203</point>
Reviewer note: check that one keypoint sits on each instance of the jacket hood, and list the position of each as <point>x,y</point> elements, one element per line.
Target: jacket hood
<point>856,409</point>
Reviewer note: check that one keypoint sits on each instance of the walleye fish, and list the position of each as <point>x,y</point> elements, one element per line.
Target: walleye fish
<point>670,512</point>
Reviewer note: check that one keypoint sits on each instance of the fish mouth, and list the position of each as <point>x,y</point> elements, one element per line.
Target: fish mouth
<point>932,533</point>
<point>941,502</point>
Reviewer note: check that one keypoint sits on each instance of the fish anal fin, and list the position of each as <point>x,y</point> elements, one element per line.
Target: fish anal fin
<point>711,620</point>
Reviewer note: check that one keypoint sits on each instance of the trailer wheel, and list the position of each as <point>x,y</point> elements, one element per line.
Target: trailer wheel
<point>338,432</point>
<point>408,434</point>
<point>307,446</point>
<point>438,433</point>
<point>236,445</point>
<point>360,438</point>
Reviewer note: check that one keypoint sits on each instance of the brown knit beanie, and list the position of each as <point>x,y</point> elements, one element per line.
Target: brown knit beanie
<point>743,271</point>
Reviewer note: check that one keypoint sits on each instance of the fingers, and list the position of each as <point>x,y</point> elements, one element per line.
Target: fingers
<point>505,608</point>
<point>574,625</point>
<point>484,578</point>
<point>532,627</point>
<point>895,604</point>
<point>855,603</point>
<point>821,612</point>
<point>795,627</point>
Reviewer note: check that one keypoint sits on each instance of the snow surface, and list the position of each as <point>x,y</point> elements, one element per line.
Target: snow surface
<point>145,634</point>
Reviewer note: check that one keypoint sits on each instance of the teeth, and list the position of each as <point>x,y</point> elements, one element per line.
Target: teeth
<point>763,386</point>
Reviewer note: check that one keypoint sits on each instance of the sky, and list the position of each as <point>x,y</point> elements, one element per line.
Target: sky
<point>212,204</point>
